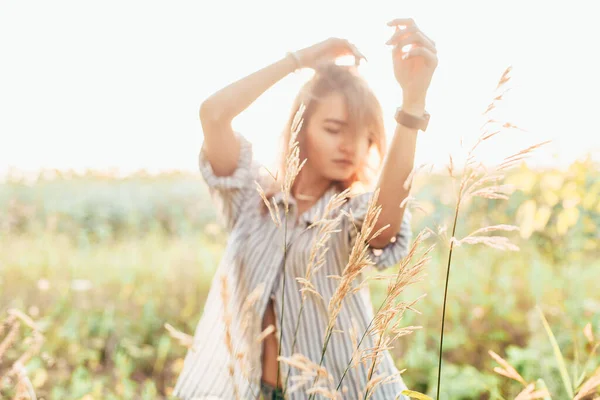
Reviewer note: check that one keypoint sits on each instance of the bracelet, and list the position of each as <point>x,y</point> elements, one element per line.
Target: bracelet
<point>296,59</point>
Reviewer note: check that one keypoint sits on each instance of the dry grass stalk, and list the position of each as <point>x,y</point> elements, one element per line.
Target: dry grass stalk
<point>244,355</point>
<point>327,393</point>
<point>589,386</point>
<point>380,380</point>
<point>292,168</point>
<point>450,166</point>
<point>183,338</point>
<point>248,356</point>
<point>273,212</point>
<point>389,316</point>
<point>17,371</point>
<point>409,180</point>
<point>485,135</point>
<point>250,322</point>
<point>413,204</point>
<point>34,343</point>
<point>514,159</point>
<point>358,260</point>
<point>326,227</point>
<point>357,353</point>
<point>504,78</point>
<point>495,228</point>
<point>11,336</point>
<point>507,370</point>
<point>475,183</point>
<point>441,233</point>
<point>319,248</point>
<point>293,164</point>
<point>489,178</point>
<point>496,242</point>
<point>248,310</point>
<point>24,318</point>
<point>407,275</point>
<point>310,372</point>
<point>227,320</point>
<point>529,393</point>
<point>388,311</point>
<point>499,192</point>
<point>24,389</point>
<point>263,335</point>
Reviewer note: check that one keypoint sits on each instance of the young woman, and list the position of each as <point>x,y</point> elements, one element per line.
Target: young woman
<point>342,133</point>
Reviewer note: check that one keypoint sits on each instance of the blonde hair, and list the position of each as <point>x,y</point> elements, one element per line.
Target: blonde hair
<point>363,109</point>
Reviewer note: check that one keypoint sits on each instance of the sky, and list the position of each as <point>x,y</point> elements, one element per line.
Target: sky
<point>116,85</point>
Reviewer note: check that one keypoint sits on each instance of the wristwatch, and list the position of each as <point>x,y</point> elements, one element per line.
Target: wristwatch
<point>411,121</point>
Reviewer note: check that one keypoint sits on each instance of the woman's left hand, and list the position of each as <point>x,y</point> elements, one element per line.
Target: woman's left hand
<point>413,68</point>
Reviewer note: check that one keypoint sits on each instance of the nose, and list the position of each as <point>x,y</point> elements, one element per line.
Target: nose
<point>348,145</point>
<point>346,150</point>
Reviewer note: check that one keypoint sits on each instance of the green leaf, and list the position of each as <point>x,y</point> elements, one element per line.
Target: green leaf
<point>416,395</point>
<point>562,367</point>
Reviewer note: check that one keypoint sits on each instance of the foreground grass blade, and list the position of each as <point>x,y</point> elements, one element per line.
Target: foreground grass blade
<point>559,357</point>
<point>540,385</point>
<point>416,395</point>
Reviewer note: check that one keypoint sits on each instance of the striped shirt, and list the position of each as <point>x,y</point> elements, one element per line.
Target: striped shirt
<point>253,258</point>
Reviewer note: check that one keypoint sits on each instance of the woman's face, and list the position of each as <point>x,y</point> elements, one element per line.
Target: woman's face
<point>332,149</point>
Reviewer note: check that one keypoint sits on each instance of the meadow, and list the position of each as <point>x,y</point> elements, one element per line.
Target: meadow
<point>100,264</point>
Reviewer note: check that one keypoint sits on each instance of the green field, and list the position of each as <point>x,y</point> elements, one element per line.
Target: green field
<point>103,263</point>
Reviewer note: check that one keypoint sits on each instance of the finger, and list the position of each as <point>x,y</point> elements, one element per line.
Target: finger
<point>431,40</point>
<point>357,54</point>
<point>429,57</point>
<point>402,21</point>
<point>416,38</point>
<point>400,33</point>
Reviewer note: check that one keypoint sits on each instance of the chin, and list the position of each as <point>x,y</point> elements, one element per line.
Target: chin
<point>339,177</point>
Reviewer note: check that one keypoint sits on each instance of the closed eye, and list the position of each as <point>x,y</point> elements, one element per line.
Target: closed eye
<point>333,131</point>
<point>371,138</point>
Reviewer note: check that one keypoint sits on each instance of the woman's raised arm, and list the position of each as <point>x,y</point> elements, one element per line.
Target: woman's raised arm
<point>221,147</point>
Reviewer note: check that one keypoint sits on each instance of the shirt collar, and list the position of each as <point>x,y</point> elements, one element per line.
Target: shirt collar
<point>315,212</point>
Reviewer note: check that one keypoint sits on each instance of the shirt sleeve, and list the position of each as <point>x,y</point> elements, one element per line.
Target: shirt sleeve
<point>230,192</point>
<point>398,247</point>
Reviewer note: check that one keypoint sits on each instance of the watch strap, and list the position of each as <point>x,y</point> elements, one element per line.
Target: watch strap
<point>411,121</point>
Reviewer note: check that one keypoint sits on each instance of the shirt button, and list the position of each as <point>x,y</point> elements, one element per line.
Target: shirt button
<point>377,252</point>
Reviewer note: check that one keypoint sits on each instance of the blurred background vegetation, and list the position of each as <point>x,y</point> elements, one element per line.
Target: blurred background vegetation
<point>102,263</point>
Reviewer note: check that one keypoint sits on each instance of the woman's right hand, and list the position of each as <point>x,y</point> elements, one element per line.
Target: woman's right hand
<point>327,51</point>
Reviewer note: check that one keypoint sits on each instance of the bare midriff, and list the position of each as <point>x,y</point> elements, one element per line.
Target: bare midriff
<point>270,349</point>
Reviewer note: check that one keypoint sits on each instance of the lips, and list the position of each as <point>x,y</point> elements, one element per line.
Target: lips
<point>346,163</point>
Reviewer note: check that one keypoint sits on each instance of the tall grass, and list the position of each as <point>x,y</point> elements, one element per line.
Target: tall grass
<point>107,337</point>
<point>479,182</point>
<point>52,257</point>
<point>581,389</point>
